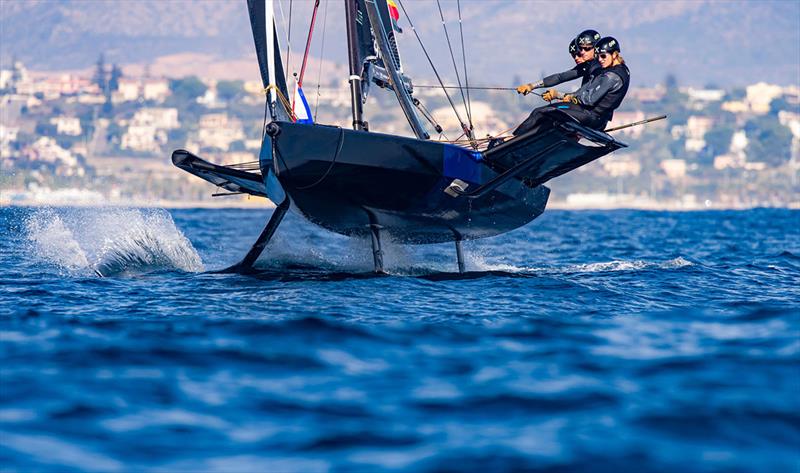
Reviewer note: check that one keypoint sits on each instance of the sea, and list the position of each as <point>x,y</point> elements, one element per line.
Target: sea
<point>611,341</point>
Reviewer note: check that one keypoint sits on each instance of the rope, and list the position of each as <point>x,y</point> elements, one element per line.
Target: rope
<point>430,61</point>
<point>284,101</point>
<point>480,141</point>
<point>321,51</point>
<point>455,68</point>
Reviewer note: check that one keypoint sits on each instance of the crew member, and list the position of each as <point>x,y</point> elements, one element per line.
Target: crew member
<point>581,49</point>
<point>594,103</point>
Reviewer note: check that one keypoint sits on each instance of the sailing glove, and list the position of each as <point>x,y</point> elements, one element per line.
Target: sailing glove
<point>526,89</point>
<point>570,98</point>
<point>550,95</point>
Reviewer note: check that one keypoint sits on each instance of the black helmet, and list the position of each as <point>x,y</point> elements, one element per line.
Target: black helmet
<point>607,45</point>
<point>590,37</point>
<point>573,47</point>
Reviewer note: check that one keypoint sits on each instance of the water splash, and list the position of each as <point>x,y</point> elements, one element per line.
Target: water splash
<point>54,242</point>
<point>109,242</point>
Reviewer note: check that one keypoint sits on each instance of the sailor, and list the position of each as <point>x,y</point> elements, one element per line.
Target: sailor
<point>594,103</point>
<point>581,49</point>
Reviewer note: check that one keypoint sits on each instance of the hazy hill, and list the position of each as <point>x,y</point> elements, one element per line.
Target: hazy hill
<point>727,43</point>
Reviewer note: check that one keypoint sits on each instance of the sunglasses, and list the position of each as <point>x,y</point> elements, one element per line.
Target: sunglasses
<point>604,56</point>
<point>586,48</point>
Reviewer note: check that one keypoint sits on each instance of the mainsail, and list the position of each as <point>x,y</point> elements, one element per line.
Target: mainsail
<point>269,63</point>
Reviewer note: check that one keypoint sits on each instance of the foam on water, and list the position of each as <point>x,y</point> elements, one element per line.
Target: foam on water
<point>480,263</point>
<point>108,241</point>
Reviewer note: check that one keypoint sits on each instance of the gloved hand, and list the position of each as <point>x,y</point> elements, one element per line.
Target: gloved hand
<point>525,89</point>
<point>550,95</point>
<point>570,98</point>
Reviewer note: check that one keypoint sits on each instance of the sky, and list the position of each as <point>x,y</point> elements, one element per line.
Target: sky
<point>701,42</point>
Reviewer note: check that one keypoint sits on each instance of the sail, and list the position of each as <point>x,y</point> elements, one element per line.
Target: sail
<point>260,14</point>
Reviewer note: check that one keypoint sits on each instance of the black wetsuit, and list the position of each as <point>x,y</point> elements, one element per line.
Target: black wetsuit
<point>597,100</point>
<point>585,70</point>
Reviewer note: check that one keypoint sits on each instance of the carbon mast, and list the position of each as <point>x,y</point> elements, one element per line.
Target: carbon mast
<point>356,39</point>
<point>382,36</point>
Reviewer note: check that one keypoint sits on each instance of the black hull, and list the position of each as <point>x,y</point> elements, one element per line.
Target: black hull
<point>344,180</point>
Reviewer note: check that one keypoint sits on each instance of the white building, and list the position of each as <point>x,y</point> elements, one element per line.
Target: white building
<point>127,91</point>
<point>70,126</point>
<point>705,95</point>
<point>696,129</point>
<point>790,120</point>
<point>674,168</point>
<point>760,95</point>
<point>218,130</point>
<point>156,90</point>
<point>6,76</point>
<point>729,160</point>
<point>158,117</point>
<point>8,136</point>
<point>46,149</point>
<point>736,106</point>
<point>143,138</point>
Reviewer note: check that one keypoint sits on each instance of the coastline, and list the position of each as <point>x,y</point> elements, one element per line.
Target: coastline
<point>262,204</point>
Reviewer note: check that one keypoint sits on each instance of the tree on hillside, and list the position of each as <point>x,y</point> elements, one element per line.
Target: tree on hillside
<point>768,140</point>
<point>228,90</point>
<point>113,80</point>
<point>100,74</point>
<point>671,83</point>
<point>718,140</point>
<point>187,89</point>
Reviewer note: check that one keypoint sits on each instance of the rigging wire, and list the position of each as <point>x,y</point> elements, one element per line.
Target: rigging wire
<point>455,68</point>
<point>321,51</point>
<point>283,17</point>
<point>289,41</point>
<point>464,60</point>
<point>428,86</point>
<point>430,61</point>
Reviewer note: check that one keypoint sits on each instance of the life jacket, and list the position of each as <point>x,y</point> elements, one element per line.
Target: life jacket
<point>606,106</point>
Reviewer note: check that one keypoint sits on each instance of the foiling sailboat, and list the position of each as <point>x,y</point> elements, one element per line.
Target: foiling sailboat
<point>366,184</point>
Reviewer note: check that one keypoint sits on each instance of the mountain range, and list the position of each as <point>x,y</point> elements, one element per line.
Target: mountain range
<point>724,43</point>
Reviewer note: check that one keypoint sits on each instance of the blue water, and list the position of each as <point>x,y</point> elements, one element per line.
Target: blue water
<point>586,341</point>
